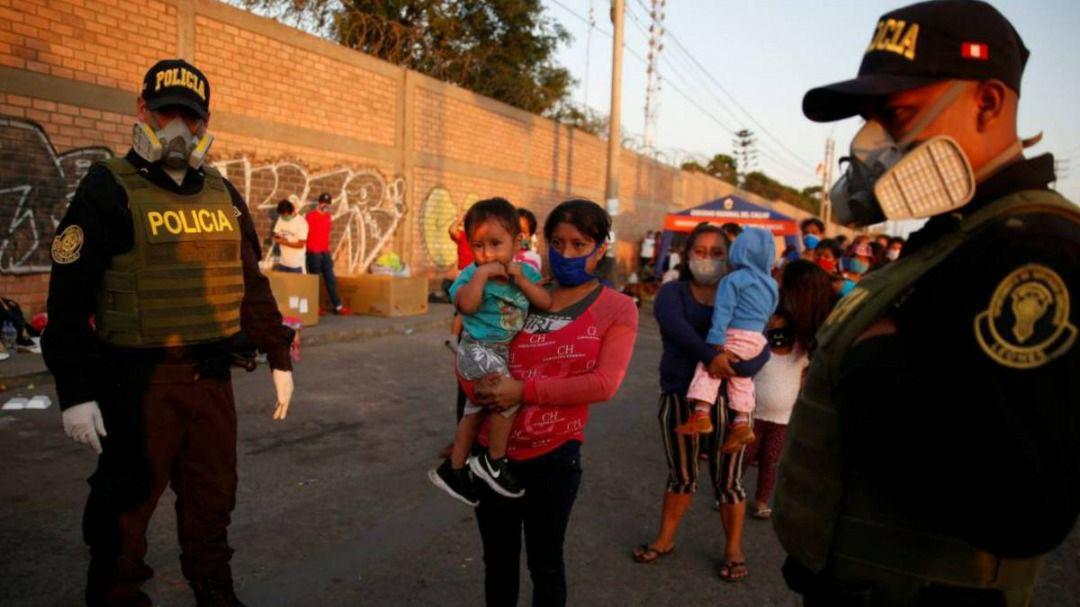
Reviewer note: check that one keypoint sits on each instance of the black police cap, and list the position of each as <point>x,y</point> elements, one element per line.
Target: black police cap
<point>175,82</point>
<point>921,44</point>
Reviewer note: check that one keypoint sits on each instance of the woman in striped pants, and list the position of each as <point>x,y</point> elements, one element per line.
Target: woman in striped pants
<point>683,310</point>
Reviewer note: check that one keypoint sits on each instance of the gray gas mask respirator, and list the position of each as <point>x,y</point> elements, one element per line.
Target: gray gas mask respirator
<point>173,145</point>
<point>888,179</point>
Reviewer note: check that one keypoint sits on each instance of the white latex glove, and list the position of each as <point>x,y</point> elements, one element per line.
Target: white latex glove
<point>83,423</point>
<point>283,385</point>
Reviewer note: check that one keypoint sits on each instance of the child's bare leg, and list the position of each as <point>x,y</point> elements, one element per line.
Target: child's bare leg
<point>467,429</point>
<point>499,434</point>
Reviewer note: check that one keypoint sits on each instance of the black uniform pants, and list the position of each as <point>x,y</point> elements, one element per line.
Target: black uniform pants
<point>170,425</point>
<point>551,484</point>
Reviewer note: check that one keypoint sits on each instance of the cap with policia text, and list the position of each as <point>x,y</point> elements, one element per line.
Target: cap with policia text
<point>177,82</point>
<point>921,44</point>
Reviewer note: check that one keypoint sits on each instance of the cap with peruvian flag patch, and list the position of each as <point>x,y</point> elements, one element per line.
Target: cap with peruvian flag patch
<point>974,50</point>
<point>921,44</point>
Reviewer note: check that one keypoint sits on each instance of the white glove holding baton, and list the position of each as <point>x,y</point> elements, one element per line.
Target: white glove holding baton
<point>83,423</point>
<point>283,385</point>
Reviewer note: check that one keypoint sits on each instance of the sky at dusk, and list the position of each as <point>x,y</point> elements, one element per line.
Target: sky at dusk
<point>728,65</point>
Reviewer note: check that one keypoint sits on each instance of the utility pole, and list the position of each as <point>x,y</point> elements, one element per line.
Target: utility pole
<point>618,8</point>
<point>588,55</point>
<point>826,182</point>
<point>652,71</point>
<point>745,153</point>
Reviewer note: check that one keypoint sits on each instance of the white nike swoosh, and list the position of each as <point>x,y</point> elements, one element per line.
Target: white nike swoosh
<point>495,473</point>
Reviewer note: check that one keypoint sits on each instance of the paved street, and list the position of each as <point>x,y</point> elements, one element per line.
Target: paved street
<point>335,507</point>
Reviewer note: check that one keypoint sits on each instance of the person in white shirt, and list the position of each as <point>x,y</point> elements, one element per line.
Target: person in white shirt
<point>806,298</point>
<point>648,248</point>
<point>290,234</point>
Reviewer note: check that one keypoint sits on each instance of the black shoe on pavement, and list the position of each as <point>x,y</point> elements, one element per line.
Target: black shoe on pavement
<point>215,594</point>
<point>457,483</point>
<point>496,473</point>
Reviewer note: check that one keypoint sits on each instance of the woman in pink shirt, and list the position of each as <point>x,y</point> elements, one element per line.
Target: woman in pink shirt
<point>562,361</point>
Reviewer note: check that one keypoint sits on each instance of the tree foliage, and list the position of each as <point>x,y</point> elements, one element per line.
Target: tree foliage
<point>721,166</point>
<point>580,117</point>
<point>724,168</point>
<point>765,186</point>
<point>503,49</point>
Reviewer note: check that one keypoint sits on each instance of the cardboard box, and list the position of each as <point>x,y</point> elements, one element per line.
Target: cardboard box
<point>380,295</point>
<point>296,295</point>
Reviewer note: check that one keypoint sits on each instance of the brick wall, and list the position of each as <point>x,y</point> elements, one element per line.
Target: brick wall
<point>294,115</point>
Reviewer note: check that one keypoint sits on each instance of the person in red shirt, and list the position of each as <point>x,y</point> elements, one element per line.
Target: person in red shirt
<point>319,259</point>
<point>562,361</point>
<point>461,239</point>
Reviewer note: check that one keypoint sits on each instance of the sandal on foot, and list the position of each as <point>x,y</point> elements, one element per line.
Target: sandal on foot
<point>647,554</point>
<point>762,513</point>
<point>734,571</point>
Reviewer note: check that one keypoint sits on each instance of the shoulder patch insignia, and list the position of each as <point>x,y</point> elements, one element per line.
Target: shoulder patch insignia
<point>67,245</point>
<point>1027,324</point>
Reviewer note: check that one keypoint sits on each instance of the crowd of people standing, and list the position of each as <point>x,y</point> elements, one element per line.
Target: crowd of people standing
<point>528,478</point>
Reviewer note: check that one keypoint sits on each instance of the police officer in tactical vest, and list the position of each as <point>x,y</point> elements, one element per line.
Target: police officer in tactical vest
<point>154,277</point>
<point>934,452</point>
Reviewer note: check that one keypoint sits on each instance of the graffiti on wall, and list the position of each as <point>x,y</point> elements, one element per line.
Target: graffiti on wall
<point>437,213</point>
<point>367,208</point>
<point>36,186</point>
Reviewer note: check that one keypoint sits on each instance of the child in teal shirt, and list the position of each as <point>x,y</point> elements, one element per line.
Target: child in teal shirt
<point>493,296</point>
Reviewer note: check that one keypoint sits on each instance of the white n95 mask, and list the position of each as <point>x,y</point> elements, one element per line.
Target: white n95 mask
<point>889,179</point>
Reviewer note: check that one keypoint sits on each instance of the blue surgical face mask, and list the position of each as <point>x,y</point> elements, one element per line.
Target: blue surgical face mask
<point>811,241</point>
<point>858,266</point>
<point>569,271</point>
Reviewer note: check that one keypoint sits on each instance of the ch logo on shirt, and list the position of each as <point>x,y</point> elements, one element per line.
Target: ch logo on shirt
<point>1027,323</point>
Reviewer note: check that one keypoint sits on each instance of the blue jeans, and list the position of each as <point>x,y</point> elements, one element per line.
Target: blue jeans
<point>323,263</point>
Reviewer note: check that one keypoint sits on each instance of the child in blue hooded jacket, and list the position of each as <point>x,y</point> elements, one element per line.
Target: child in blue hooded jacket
<point>745,299</point>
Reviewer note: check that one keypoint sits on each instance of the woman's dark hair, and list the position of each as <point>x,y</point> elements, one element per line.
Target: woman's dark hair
<point>498,209</point>
<point>691,240</point>
<point>832,245</point>
<point>529,219</point>
<point>731,229</point>
<point>812,221</point>
<point>877,255</point>
<point>284,206</point>
<point>807,296</point>
<point>586,216</point>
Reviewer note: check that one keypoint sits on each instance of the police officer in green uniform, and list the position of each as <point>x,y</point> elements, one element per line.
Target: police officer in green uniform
<point>934,453</point>
<point>154,279</point>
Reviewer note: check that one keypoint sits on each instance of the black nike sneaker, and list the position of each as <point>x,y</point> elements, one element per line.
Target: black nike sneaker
<point>458,483</point>
<point>496,473</point>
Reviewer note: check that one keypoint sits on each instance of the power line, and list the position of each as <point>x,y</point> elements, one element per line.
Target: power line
<point>716,82</point>
<point>796,167</point>
<point>671,62</point>
<point>689,98</point>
